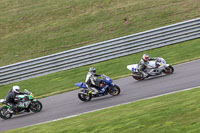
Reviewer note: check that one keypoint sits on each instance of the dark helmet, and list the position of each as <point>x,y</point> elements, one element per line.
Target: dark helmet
<point>145,57</point>
<point>92,70</point>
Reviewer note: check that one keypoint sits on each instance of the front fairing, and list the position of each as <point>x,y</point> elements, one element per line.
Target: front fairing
<point>108,80</point>
<point>151,64</point>
<point>30,97</point>
<point>152,70</point>
<point>20,96</point>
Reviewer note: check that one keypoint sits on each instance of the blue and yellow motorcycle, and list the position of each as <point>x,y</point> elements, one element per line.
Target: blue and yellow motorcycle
<point>105,86</point>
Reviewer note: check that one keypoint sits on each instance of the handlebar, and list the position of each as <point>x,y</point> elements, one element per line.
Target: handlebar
<point>104,76</point>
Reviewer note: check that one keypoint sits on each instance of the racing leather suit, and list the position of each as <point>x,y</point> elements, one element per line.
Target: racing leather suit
<point>143,64</point>
<point>12,100</point>
<point>91,82</point>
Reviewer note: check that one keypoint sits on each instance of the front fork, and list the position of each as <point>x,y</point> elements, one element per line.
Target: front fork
<point>164,69</point>
<point>111,87</point>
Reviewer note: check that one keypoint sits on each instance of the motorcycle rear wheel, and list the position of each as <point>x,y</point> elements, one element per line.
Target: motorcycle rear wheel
<point>84,97</point>
<point>115,92</point>
<point>3,110</point>
<point>139,77</point>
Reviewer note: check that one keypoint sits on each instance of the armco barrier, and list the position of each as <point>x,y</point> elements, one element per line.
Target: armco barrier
<point>102,51</point>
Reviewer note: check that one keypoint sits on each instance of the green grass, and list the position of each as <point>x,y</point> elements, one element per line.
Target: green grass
<point>174,113</point>
<point>34,28</point>
<point>64,81</point>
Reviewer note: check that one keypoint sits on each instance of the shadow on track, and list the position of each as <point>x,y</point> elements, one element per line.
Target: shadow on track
<point>25,114</point>
<point>101,98</point>
<point>153,77</point>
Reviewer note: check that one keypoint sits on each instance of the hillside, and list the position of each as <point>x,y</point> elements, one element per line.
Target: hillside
<point>30,29</point>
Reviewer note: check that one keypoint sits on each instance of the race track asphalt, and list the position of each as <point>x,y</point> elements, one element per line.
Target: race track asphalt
<point>186,75</point>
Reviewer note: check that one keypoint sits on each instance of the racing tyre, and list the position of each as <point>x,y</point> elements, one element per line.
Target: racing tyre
<point>4,114</point>
<point>116,90</point>
<point>138,76</point>
<point>84,97</point>
<point>35,106</point>
<point>168,70</point>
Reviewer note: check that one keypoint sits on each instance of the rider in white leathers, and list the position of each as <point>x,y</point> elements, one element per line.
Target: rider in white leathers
<point>91,80</point>
<point>144,62</point>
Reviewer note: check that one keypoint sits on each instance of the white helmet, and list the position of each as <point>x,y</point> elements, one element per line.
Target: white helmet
<point>92,70</point>
<point>145,57</point>
<point>16,89</point>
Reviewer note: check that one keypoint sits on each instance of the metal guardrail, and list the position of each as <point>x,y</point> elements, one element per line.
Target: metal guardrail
<point>102,51</point>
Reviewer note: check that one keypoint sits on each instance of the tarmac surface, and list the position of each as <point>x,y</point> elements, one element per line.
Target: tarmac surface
<point>186,75</point>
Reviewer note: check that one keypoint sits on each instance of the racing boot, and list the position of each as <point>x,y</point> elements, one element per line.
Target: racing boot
<point>10,110</point>
<point>145,75</point>
<point>94,91</point>
<point>26,110</point>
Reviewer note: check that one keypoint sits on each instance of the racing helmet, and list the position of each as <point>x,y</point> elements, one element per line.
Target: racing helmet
<point>16,89</point>
<point>145,57</point>
<point>92,70</point>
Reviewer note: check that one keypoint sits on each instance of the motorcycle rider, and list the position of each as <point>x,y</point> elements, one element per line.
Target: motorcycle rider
<point>12,100</point>
<point>91,80</point>
<point>144,62</point>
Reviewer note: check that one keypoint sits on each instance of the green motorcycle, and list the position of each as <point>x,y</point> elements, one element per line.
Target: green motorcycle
<point>27,101</point>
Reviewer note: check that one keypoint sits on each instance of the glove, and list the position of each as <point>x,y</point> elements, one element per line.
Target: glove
<point>157,65</point>
<point>103,75</point>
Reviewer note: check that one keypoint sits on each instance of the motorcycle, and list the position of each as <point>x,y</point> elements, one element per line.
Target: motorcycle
<point>153,68</point>
<point>106,86</point>
<point>27,101</point>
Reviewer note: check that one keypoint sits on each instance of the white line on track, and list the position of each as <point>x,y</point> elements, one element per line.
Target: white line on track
<point>113,106</point>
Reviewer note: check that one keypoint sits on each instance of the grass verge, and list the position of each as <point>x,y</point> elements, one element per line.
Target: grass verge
<point>64,81</point>
<point>34,28</point>
<point>174,113</point>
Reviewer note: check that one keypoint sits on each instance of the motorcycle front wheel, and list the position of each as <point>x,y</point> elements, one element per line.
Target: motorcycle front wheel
<point>35,106</point>
<point>4,114</point>
<point>168,70</point>
<point>116,90</point>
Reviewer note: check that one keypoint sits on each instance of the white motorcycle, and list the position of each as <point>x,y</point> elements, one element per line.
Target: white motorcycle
<point>154,68</point>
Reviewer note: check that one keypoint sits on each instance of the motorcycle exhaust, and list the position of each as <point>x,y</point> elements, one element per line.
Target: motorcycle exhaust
<point>83,93</point>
